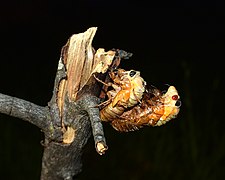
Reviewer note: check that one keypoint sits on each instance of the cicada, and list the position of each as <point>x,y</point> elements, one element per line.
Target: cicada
<point>128,88</point>
<point>156,108</point>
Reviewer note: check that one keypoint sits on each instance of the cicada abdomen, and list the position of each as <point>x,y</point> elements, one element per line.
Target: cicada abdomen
<point>128,88</point>
<point>155,110</point>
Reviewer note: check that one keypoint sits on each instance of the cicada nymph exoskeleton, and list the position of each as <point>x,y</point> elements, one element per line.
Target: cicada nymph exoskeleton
<point>128,88</point>
<point>156,108</point>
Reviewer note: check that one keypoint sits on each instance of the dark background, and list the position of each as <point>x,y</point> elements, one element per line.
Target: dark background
<point>178,43</point>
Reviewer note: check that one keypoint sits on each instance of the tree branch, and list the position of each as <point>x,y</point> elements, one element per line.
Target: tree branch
<point>72,110</point>
<point>27,111</point>
<point>74,106</point>
<point>89,104</point>
<point>63,161</point>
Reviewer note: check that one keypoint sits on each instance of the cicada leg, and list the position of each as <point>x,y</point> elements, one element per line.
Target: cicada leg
<point>99,80</point>
<point>105,103</point>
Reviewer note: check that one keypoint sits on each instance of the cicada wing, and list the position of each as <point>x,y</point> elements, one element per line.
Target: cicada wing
<point>124,125</point>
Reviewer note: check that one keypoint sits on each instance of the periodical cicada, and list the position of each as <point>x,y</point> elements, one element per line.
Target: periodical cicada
<point>155,109</point>
<point>128,88</point>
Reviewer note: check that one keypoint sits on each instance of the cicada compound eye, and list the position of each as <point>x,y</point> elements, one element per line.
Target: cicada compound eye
<point>132,73</point>
<point>175,97</point>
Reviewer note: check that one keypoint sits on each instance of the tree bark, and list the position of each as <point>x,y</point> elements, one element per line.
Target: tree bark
<point>72,115</point>
<point>73,108</point>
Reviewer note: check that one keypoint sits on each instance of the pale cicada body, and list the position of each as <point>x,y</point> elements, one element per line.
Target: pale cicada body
<point>128,88</point>
<point>155,109</point>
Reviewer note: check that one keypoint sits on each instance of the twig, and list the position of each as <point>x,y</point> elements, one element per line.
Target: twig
<point>90,105</point>
<point>27,111</point>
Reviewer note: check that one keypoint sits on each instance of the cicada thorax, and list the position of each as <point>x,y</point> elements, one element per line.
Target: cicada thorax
<point>128,88</point>
<point>132,87</point>
<point>155,109</point>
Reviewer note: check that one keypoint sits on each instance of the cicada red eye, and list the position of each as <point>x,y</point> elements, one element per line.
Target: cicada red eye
<point>174,97</point>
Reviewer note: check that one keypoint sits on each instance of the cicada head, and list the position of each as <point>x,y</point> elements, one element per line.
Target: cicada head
<point>171,105</point>
<point>171,97</point>
<point>137,84</point>
<point>130,75</point>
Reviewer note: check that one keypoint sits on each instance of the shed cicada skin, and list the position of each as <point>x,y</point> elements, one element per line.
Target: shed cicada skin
<point>128,88</point>
<point>156,108</point>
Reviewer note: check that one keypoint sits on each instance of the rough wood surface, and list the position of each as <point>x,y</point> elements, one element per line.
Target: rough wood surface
<point>72,114</point>
<point>75,116</point>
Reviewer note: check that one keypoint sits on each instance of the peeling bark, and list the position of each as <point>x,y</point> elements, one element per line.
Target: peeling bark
<point>72,115</point>
<point>74,108</point>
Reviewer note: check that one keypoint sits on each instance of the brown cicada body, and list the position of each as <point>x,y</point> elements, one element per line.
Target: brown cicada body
<point>155,109</point>
<point>128,88</point>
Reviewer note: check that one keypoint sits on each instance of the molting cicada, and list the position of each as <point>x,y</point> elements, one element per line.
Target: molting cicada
<point>128,88</point>
<point>131,105</point>
<point>155,109</point>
